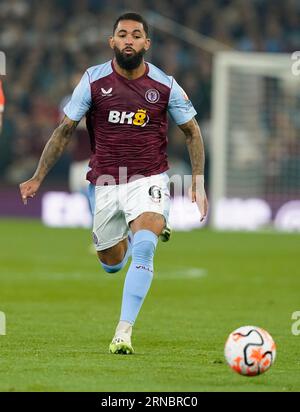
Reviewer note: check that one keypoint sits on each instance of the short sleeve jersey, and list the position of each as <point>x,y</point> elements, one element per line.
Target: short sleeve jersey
<point>127,119</point>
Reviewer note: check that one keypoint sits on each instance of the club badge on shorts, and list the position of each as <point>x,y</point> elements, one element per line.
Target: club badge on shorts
<point>155,194</point>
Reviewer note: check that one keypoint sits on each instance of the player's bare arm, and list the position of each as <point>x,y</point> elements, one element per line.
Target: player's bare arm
<point>51,153</point>
<point>195,147</point>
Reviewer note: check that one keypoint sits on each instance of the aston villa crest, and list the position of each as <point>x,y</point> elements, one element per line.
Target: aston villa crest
<point>152,96</point>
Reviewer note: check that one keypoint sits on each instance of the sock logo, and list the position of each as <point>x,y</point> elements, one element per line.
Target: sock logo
<point>143,267</point>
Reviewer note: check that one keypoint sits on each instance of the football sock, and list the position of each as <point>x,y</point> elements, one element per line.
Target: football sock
<point>139,275</point>
<point>119,266</point>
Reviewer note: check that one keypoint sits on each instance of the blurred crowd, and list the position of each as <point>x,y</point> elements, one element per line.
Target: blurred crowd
<point>48,41</point>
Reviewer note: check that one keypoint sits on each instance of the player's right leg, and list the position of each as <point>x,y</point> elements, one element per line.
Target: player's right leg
<point>112,240</point>
<point>110,230</point>
<point>115,258</point>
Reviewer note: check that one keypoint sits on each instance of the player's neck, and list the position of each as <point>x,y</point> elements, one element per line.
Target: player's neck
<point>130,74</point>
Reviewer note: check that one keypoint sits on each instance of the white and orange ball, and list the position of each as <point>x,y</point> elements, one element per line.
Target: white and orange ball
<point>250,350</point>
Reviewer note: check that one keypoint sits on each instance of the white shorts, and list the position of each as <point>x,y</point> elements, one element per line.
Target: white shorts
<point>115,206</point>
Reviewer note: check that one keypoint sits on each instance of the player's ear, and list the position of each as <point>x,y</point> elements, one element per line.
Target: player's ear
<point>111,42</point>
<point>147,44</point>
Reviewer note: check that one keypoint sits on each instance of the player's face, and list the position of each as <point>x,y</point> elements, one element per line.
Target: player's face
<point>129,43</point>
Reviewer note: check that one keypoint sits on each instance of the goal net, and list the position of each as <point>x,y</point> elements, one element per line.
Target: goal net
<point>255,147</point>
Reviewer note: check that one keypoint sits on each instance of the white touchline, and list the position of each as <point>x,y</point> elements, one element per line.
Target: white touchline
<point>2,323</point>
<point>183,273</point>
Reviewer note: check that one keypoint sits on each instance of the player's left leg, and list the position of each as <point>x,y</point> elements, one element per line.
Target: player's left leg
<point>146,229</point>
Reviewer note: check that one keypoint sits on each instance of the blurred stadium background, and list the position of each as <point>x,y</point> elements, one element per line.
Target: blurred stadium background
<point>233,58</point>
<point>251,139</point>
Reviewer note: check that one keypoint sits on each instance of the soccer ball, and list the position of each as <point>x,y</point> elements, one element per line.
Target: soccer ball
<point>250,350</point>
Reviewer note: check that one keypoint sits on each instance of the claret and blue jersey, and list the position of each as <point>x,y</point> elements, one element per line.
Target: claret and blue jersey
<point>127,119</point>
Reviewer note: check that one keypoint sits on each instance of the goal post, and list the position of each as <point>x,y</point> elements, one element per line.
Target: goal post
<point>255,146</point>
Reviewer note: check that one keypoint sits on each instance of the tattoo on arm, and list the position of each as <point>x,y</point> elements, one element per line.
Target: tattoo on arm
<point>55,147</point>
<point>195,146</point>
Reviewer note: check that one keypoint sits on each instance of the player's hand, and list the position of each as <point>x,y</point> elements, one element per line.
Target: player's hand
<point>197,194</point>
<point>28,189</point>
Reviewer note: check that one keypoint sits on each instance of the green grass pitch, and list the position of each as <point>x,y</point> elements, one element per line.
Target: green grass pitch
<point>62,309</point>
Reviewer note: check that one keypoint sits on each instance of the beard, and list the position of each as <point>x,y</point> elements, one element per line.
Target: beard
<point>129,62</point>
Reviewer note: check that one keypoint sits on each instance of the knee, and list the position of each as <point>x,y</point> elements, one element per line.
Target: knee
<point>111,268</point>
<point>144,245</point>
<point>111,264</point>
<point>143,250</point>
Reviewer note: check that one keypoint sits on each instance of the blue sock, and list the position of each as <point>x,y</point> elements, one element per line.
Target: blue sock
<point>139,275</point>
<point>119,266</point>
